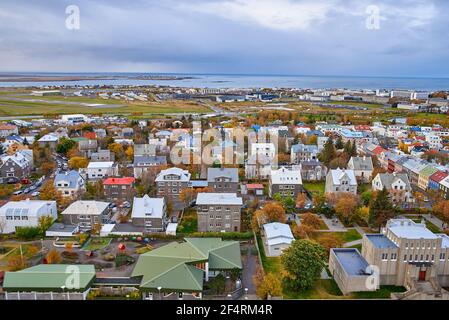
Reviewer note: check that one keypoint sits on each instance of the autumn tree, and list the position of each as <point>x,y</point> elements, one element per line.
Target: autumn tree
<point>78,163</point>
<point>53,257</point>
<point>346,207</point>
<point>187,196</point>
<point>44,223</point>
<point>49,192</point>
<point>380,209</point>
<point>441,208</point>
<point>301,199</point>
<point>329,241</point>
<point>267,285</point>
<point>16,263</point>
<point>311,220</point>
<point>129,153</point>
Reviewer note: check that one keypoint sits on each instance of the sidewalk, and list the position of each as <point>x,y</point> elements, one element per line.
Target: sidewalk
<point>334,224</point>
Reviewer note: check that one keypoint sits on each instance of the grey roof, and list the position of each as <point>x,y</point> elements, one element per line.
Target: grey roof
<point>304,148</point>
<point>148,207</point>
<point>351,261</point>
<point>149,160</point>
<point>361,163</point>
<point>218,199</point>
<point>388,178</point>
<point>213,173</point>
<point>61,227</point>
<point>381,241</point>
<point>72,177</point>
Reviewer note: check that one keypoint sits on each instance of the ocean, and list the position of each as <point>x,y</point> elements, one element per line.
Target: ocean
<point>241,81</point>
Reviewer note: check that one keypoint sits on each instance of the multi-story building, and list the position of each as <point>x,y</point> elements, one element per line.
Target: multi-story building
<point>100,170</point>
<point>15,167</point>
<point>86,214</point>
<point>149,213</point>
<point>397,185</point>
<point>424,176</point>
<point>341,181</point>
<point>286,182</point>
<point>362,166</point>
<point>69,183</point>
<point>406,254</point>
<point>119,189</point>
<point>144,163</point>
<point>7,130</point>
<point>25,213</point>
<point>218,212</point>
<point>87,147</point>
<point>303,152</point>
<point>312,170</point>
<point>171,182</point>
<point>223,180</point>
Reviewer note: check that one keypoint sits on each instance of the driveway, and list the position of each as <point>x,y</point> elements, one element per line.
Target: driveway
<point>250,262</point>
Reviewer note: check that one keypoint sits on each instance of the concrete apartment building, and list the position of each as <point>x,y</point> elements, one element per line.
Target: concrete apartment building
<point>149,213</point>
<point>218,212</point>
<point>100,170</point>
<point>223,180</point>
<point>286,182</point>
<point>170,183</point>
<point>86,214</point>
<point>406,254</point>
<point>119,189</point>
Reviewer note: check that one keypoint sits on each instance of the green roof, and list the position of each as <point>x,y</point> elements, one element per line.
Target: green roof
<point>78,139</point>
<point>172,267</point>
<point>428,171</point>
<point>50,277</point>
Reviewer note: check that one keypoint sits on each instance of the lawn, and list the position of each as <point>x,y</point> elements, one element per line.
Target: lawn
<point>270,264</point>
<point>315,187</point>
<point>96,243</point>
<point>322,225</point>
<point>432,227</point>
<point>358,104</point>
<point>189,222</point>
<point>323,289</point>
<point>348,236</point>
<point>383,293</point>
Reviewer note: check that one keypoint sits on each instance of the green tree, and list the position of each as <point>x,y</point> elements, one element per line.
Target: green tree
<point>44,223</point>
<point>303,262</point>
<point>339,143</point>
<point>328,153</point>
<point>65,145</point>
<point>381,209</point>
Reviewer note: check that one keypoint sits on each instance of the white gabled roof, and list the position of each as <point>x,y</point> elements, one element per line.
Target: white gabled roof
<point>204,198</point>
<point>337,175</point>
<point>49,138</point>
<point>18,158</point>
<point>183,174</point>
<point>286,176</point>
<point>277,233</point>
<point>86,207</point>
<point>148,207</point>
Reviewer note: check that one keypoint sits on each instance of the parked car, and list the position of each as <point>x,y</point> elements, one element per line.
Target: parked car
<point>18,192</point>
<point>35,194</point>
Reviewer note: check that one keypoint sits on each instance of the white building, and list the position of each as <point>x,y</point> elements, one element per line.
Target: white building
<point>100,170</point>
<point>277,238</point>
<point>434,141</point>
<point>25,213</point>
<point>340,181</point>
<point>69,183</point>
<point>74,118</point>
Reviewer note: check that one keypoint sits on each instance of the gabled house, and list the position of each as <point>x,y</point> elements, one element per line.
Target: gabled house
<point>303,152</point>
<point>362,166</point>
<point>150,214</point>
<point>69,183</point>
<point>102,156</point>
<point>312,170</point>
<point>223,180</point>
<point>341,181</point>
<point>50,140</point>
<point>170,183</point>
<point>286,182</point>
<point>277,237</point>
<point>86,214</point>
<point>143,163</point>
<point>119,190</point>
<point>397,185</point>
<point>14,168</point>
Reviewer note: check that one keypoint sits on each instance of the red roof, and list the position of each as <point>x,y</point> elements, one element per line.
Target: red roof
<point>90,135</point>
<point>438,176</point>
<point>254,186</point>
<point>120,181</point>
<point>378,150</point>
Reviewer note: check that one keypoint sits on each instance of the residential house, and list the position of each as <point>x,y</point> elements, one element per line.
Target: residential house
<point>87,147</point>
<point>285,182</point>
<point>424,177</point>
<point>102,156</point>
<point>362,166</point>
<point>218,212</point>
<point>69,183</point>
<point>144,163</point>
<point>303,152</point>
<point>435,179</point>
<point>170,183</point>
<point>223,180</point>
<point>100,170</point>
<point>276,238</point>
<point>341,180</point>
<point>7,130</point>
<point>25,213</point>
<point>444,187</point>
<point>397,185</point>
<point>150,214</point>
<point>86,214</point>
<point>312,170</point>
<point>119,190</point>
<point>145,150</point>
<point>50,140</point>
<point>14,168</point>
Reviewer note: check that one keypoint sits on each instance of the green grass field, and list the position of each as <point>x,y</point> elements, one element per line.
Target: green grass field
<point>97,243</point>
<point>315,187</point>
<point>348,236</point>
<point>358,104</point>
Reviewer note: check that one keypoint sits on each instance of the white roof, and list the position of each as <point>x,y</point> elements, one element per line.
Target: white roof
<point>277,233</point>
<point>183,174</point>
<point>408,229</point>
<point>445,182</point>
<point>30,207</point>
<point>48,138</point>
<point>100,164</point>
<point>148,207</point>
<point>445,240</point>
<point>204,198</point>
<point>86,207</point>
<point>337,175</point>
<point>19,158</point>
<point>286,176</point>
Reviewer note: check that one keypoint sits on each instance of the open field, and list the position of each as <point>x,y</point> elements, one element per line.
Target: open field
<point>348,236</point>
<point>357,104</point>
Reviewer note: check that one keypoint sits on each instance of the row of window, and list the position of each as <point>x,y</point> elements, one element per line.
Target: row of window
<point>422,244</point>
<point>421,258</point>
<point>17,218</point>
<point>174,184</point>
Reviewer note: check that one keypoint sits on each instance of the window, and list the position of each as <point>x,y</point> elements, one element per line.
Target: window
<point>394,256</point>
<point>422,258</point>
<point>427,257</point>
<point>384,256</point>
<point>405,258</point>
<point>442,256</point>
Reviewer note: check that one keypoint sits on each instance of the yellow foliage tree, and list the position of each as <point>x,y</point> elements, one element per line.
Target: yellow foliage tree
<point>78,162</point>
<point>53,257</point>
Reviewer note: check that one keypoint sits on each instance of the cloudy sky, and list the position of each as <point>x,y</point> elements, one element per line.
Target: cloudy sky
<point>304,37</point>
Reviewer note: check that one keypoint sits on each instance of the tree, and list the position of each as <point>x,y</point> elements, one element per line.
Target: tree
<point>187,196</point>
<point>267,284</point>
<point>302,262</point>
<point>130,153</point>
<point>346,207</point>
<point>419,198</point>
<point>311,220</point>
<point>16,263</point>
<point>53,257</point>
<point>44,223</point>
<point>78,163</point>
<point>339,143</point>
<point>339,162</point>
<point>301,199</point>
<point>47,168</point>
<point>272,212</point>
<point>329,241</point>
<point>65,145</point>
<point>381,209</point>
<point>441,208</point>
<point>49,192</point>
<point>328,153</point>
<point>218,284</point>
<point>69,246</point>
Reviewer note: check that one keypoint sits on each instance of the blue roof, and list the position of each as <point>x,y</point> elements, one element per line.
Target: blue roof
<point>71,177</point>
<point>381,241</point>
<point>351,261</point>
<point>199,183</point>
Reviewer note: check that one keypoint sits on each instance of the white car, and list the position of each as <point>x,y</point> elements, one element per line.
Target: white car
<point>35,194</point>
